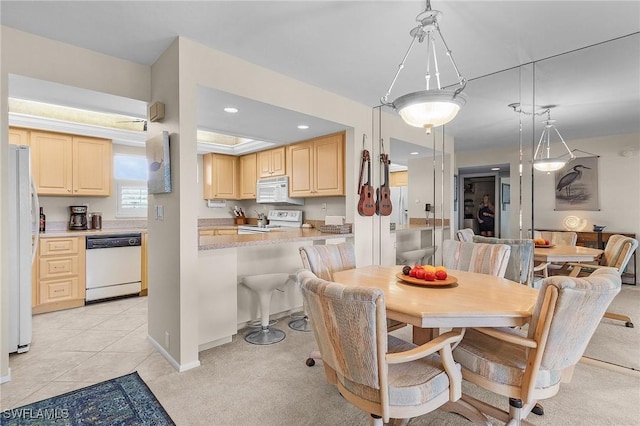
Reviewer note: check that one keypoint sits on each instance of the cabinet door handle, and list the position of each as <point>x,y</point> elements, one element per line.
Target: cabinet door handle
<point>68,190</point>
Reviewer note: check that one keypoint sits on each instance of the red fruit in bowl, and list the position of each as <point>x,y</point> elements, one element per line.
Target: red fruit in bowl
<point>412,272</point>
<point>430,276</point>
<point>441,275</point>
<point>420,273</point>
<point>547,242</point>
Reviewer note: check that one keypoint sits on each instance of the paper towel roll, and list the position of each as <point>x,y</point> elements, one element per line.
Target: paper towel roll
<point>334,220</point>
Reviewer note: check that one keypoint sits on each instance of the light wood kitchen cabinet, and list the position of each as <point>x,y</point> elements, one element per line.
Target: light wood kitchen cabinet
<point>18,136</point>
<point>71,165</point>
<point>216,232</point>
<point>316,167</point>
<point>60,274</point>
<point>248,170</point>
<point>399,178</point>
<point>272,162</point>
<point>220,177</point>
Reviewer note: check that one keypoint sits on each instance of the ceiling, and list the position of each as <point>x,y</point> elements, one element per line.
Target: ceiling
<point>353,48</point>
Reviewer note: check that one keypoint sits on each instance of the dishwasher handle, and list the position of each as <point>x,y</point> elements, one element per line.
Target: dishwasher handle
<point>113,241</point>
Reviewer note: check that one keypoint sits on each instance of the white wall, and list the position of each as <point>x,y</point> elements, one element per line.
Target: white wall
<point>173,255</point>
<point>33,56</point>
<point>618,185</point>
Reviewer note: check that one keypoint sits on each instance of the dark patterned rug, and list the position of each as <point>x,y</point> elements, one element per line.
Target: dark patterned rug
<point>126,400</point>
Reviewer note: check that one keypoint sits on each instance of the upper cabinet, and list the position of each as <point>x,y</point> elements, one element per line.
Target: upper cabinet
<point>71,165</point>
<point>220,177</point>
<point>399,178</point>
<point>316,167</point>
<point>18,136</point>
<point>272,162</point>
<point>248,177</point>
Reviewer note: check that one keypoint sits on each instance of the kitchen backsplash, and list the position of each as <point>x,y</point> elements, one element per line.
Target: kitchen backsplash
<point>106,224</point>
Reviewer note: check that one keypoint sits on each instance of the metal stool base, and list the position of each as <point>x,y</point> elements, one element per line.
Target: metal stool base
<point>258,323</point>
<point>265,336</point>
<point>300,324</point>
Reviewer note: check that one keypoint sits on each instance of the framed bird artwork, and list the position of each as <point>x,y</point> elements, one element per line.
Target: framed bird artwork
<point>576,185</point>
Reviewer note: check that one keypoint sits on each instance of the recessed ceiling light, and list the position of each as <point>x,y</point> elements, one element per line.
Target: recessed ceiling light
<point>414,153</point>
<point>303,127</point>
<point>495,169</point>
<point>231,110</point>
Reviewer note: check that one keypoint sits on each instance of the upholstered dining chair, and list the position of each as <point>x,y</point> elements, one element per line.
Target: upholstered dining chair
<point>490,259</point>
<point>325,259</point>
<point>520,265</point>
<point>378,373</point>
<point>565,238</point>
<point>530,367</point>
<point>465,235</point>
<point>617,254</point>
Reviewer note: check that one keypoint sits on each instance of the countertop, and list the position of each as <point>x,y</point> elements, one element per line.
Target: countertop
<point>416,227</point>
<point>276,236</point>
<point>111,231</point>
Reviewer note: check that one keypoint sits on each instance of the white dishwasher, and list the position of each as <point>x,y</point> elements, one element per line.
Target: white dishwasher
<point>114,266</point>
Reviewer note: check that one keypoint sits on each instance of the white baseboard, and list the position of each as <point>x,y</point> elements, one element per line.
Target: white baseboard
<point>213,344</point>
<point>170,359</point>
<point>7,378</point>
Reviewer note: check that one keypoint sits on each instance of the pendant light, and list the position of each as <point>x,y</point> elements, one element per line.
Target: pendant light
<point>542,159</point>
<point>430,107</point>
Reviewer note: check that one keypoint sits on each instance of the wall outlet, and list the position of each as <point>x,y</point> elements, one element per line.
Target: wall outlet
<point>167,340</point>
<point>324,206</point>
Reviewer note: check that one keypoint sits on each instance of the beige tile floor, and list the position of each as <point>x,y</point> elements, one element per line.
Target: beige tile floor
<point>78,347</point>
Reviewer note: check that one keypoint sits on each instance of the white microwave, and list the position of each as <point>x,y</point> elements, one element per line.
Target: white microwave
<point>275,191</point>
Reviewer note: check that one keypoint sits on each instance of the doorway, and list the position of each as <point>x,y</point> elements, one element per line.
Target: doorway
<point>476,182</point>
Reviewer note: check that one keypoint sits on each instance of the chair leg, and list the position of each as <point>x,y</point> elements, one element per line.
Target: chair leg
<point>375,420</point>
<point>624,318</point>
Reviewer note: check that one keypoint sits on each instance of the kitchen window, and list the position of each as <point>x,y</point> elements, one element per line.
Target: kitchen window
<point>131,183</point>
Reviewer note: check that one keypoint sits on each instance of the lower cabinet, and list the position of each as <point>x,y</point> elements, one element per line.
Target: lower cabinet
<point>59,274</point>
<point>216,232</point>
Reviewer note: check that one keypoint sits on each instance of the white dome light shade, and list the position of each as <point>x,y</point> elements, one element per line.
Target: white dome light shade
<point>550,165</point>
<point>429,108</point>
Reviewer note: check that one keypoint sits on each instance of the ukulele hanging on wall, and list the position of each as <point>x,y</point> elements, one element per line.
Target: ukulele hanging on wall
<point>383,194</point>
<point>366,204</point>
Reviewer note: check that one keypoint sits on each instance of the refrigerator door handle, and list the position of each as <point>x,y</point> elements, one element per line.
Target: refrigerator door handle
<point>36,218</point>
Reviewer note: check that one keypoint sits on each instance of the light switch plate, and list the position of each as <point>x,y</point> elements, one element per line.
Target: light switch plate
<point>159,212</point>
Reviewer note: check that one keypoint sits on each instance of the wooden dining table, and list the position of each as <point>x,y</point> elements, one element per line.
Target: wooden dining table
<point>564,253</point>
<point>475,300</point>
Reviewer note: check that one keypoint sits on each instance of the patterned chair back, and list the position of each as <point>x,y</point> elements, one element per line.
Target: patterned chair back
<point>349,327</point>
<point>574,315</point>
<point>618,251</point>
<point>490,259</point>
<point>324,260</point>
<point>520,266</point>
<point>562,238</point>
<point>465,235</point>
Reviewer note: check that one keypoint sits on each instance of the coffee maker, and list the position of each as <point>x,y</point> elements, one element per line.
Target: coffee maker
<point>78,219</point>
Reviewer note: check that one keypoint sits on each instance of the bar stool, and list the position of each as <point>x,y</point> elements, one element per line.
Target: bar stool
<point>264,286</point>
<point>416,257</point>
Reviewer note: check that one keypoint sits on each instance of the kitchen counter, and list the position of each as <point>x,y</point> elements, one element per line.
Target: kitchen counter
<point>69,233</point>
<point>416,227</point>
<point>275,236</point>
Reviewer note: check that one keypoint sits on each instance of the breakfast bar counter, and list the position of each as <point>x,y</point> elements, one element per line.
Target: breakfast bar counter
<point>225,305</point>
<point>275,236</point>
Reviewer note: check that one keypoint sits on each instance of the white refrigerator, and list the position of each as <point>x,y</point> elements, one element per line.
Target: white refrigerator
<point>23,226</point>
<point>400,205</point>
